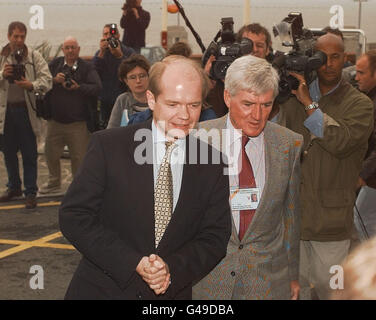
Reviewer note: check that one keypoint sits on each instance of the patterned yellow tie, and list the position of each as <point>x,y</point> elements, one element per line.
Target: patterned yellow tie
<point>163,195</point>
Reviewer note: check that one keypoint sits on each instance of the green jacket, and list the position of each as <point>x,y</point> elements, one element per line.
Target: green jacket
<point>331,165</point>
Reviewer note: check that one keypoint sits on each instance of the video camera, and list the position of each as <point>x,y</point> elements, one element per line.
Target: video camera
<point>18,68</point>
<point>302,58</point>
<point>69,74</point>
<point>112,41</point>
<point>226,50</point>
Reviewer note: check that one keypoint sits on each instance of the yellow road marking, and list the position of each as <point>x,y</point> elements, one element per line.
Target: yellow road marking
<point>20,206</point>
<point>43,245</point>
<point>29,244</point>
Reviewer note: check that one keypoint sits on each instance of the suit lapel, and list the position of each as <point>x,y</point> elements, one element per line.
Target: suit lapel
<point>144,172</point>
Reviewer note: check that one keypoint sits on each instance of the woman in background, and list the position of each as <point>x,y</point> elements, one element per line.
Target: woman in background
<point>134,72</point>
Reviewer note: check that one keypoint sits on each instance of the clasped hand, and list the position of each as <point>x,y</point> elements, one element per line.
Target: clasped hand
<point>155,272</point>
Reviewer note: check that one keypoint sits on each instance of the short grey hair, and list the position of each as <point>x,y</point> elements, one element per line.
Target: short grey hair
<point>251,74</point>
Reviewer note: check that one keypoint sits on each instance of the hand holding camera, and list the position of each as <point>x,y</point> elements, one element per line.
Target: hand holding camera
<point>24,84</point>
<point>60,78</point>
<point>67,78</point>
<point>71,85</point>
<point>8,71</point>
<point>130,7</point>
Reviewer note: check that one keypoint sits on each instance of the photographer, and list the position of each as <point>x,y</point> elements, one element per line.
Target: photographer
<point>134,21</point>
<point>107,61</point>
<point>260,37</point>
<point>23,72</point>
<point>259,47</point>
<point>335,120</point>
<point>76,86</point>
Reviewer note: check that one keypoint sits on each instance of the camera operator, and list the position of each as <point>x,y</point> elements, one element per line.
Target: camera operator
<point>260,37</point>
<point>76,86</point>
<point>134,21</point>
<point>336,121</point>
<point>23,72</point>
<point>107,61</point>
<point>261,48</point>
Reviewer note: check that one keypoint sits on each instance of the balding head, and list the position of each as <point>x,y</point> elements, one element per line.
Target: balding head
<point>330,38</point>
<point>175,95</point>
<point>330,74</point>
<point>71,50</point>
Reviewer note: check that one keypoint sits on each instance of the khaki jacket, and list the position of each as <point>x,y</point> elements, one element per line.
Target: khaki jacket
<point>42,83</point>
<point>331,165</point>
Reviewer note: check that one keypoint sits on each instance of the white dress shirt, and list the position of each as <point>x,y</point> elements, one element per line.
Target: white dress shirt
<point>255,150</point>
<point>177,159</point>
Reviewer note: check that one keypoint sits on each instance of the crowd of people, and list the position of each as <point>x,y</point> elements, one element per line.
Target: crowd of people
<point>171,228</point>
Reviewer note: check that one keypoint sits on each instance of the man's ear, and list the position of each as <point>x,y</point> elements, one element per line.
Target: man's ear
<point>227,98</point>
<point>151,99</point>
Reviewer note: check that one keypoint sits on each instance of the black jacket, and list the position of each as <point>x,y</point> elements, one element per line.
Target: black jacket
<point>108,215</point>
<point>78,105</point>
<point>134,29</point>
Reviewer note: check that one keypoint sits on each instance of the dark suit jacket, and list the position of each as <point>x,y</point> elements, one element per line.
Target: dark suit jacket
<point>108,215</point>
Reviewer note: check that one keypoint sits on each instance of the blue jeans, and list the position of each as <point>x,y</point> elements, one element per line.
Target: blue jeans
<point>19,136</point>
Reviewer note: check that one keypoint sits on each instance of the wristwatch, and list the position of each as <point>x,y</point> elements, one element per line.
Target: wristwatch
<point>312,106</point>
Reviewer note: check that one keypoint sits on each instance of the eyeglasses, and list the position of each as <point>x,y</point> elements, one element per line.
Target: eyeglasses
<point>70,47</point>
<point>140,76</point>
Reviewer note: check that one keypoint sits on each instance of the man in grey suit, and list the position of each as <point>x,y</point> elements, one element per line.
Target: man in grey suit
<point>262,260</point>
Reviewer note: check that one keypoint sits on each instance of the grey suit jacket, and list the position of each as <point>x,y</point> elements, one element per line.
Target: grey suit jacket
<point>267,258</point>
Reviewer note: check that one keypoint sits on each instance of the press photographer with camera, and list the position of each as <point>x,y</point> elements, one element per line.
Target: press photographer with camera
<point>76,86</point>
<point>219,55</point>
<point>134,21</point>
<point>335,120</point>
<point>260,37</point>
<point>107,61</point>
<point>23,73</point>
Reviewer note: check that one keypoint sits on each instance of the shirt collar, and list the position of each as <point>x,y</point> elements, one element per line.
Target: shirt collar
<point>235,134</point>
<point>314,90</point>
<point>74,64</point>
<point>160,137</point>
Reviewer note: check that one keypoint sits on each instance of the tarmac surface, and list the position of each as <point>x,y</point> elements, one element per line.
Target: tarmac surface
<point>37,262</point>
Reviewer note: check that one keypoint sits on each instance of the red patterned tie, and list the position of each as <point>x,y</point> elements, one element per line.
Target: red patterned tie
<point>246,180</point>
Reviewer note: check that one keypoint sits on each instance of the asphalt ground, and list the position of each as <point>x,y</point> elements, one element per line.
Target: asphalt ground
<point>36,261</point>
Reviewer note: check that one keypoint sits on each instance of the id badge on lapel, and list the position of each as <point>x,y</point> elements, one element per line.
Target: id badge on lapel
<point>244,199</point>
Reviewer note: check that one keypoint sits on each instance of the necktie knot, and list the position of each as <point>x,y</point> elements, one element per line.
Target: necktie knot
<point>170,145</point>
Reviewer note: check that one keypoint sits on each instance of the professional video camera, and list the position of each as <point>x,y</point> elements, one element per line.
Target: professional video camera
<point>226,50</point>
<point>302,58</point>
<point>112,41</point>
<point>69,73</point>
<point>18,68</point>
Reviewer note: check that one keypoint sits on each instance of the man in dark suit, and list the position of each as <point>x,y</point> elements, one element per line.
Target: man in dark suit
<point>139,239</point>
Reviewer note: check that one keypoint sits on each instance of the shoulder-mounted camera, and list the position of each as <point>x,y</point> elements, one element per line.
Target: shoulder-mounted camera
<point>225,50</point>
<point>302,58</point>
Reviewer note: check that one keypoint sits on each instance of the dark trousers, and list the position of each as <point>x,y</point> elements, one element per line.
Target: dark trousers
<point>19,136</point>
